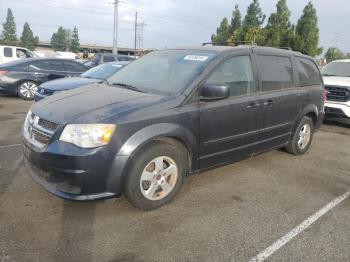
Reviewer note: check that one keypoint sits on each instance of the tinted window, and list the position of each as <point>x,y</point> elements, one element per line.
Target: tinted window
<point>276,72</point>
<point>235,73</point>
<point>8,52</point>
<point>307,72</point>
<point>108,59</point>
<point>49,65</point>
<point>74,67</point>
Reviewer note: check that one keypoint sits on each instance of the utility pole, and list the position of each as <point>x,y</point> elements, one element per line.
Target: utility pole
<point>135,33</point>
<point>115,30</point>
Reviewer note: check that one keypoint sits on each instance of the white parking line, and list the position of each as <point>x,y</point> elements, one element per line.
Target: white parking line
<point>7,146</point>
<point>300,228</point>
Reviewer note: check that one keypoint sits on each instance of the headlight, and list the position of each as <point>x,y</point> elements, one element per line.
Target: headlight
<point>87,135</point>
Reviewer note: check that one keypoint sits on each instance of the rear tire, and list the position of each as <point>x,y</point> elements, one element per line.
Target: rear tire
<point>27,89</point>
<point>302,137</point>
<point>156,175</point>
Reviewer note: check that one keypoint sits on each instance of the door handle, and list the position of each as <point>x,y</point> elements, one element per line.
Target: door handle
<point>37,73</point>
<point>253,105</point>
<point>268,102</point>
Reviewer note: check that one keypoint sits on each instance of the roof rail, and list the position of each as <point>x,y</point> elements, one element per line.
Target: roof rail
<point>286,48</point>
<point>232,43</point>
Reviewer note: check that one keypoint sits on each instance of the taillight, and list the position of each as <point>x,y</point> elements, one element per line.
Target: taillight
<point>325,94</point>
<point>3,72</point>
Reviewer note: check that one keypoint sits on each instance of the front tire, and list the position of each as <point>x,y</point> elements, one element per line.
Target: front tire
<point>27,89</point>
<point>302,137</point>
<point>156,176</point>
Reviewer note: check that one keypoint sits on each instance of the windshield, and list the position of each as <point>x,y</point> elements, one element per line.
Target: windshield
<point>337,69</point>
<point>165,72</point>
<point>103,71</point>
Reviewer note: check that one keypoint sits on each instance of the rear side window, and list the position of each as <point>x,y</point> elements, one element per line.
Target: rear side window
<point>237,74</point>
<point>108,59</point>
<point>8,52</point>
<point>49,65</point>
<point>307,72</point>
<point>74,67</point>
<point>276,72</point>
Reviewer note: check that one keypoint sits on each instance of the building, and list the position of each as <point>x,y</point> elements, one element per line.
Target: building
<point>45,48</point>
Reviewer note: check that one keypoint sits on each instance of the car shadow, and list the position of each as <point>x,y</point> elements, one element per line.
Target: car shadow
<point>76,232</point>
<point>336,123</point>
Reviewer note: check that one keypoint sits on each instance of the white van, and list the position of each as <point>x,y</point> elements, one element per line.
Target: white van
<point>336,76</point>
<point>11,53</point>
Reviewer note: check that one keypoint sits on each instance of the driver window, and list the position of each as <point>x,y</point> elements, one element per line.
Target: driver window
<point>21,53</point>
<point>237,74</point>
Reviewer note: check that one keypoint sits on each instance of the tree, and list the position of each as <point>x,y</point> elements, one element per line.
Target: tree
<point>222,32</point>
<point>236,21</point>
<point>333,53</point>
<point>74,42</point>
<point>253,19</point>
<point>256,35</point>
<point>279,29</point>
<point>27,39</point>
<point>307,33</point>
<point>9,30</point>
<point>58,40</point>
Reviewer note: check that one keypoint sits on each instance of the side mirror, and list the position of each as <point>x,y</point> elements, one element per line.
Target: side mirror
<point>214,92</point>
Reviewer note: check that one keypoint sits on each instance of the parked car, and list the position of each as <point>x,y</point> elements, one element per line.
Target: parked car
<point>12,53</point>
<point>336,76</point>
<point>22,77</point>
<point>97,74</point>
<point>169,114</point>
<point>100,58</point>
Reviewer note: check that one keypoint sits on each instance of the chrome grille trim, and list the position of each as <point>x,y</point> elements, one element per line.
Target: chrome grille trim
<point>338,93</point>
<point>38,131</point>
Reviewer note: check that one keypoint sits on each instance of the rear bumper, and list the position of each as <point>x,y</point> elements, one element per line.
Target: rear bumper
<point>87,175</point>
<point>7,88</point>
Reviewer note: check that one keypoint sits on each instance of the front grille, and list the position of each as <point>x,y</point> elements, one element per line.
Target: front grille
<point>338,94</point>
<point>39,131</point>
<point>40,137</point>
<point>47,124</point>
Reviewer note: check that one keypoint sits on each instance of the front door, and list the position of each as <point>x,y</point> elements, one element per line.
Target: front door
<point>228,127</point>
<point>280,101</point>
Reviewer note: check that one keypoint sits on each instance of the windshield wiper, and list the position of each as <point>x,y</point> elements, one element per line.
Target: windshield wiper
<point>130,87</point>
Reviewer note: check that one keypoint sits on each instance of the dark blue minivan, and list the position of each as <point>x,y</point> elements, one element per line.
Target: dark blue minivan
<point>169,114</point>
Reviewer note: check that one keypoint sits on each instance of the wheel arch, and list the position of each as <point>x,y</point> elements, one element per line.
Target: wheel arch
<point>311,111</point>
<point>163,132</point>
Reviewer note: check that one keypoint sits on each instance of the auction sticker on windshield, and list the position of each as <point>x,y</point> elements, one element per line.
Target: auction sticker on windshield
<point>196,58</point>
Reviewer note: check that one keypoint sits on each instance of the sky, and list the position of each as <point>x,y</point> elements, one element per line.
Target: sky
<point>168,23</point>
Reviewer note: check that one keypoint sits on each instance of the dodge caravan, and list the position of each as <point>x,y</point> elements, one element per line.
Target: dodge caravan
<point>169,114</point>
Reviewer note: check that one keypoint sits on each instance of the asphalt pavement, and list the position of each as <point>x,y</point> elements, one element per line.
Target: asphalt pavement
<point>232,213</point>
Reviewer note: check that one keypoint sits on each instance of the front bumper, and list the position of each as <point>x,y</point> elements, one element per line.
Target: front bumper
<point>38,97</point>
<point>74,173</point>
<point>337,109</point>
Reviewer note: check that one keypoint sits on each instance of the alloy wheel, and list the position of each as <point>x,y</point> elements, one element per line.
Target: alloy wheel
<point>27,89</point>
<point>158,178</point>
<point>304,136</point>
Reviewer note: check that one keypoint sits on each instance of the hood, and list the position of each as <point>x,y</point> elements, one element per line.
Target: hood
<point>95,103</point>
<point>68,83</point>
<point>336,81</point>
